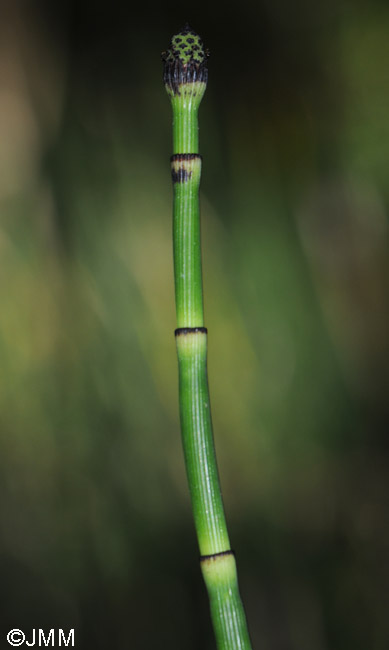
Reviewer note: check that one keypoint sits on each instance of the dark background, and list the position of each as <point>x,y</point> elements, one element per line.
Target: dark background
<point>96,531</point>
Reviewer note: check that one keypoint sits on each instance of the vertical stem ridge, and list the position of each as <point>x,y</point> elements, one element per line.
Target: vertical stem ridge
<point>186,172</point>
<point>199,450</point>
<point>185,125</point>
<point>227,612</point>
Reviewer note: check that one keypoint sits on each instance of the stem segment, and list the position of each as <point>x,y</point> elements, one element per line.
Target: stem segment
<point>185,76</point>
<point>186,171</point>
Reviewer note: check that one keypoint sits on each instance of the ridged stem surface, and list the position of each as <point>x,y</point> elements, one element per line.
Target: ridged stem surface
<point>228,615</point>
<point>186,171</point>
<point>199,451</point>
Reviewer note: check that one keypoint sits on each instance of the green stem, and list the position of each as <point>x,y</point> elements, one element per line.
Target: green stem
<point>199,449</point>
<point>185,76</point>
<point>185,124</point>
<point>186,171</point>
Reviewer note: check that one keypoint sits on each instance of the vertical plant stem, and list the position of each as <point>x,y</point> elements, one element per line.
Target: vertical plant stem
<point>185,77</point>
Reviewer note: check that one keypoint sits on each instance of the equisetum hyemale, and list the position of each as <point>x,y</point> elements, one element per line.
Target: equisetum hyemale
<point>185,77</point>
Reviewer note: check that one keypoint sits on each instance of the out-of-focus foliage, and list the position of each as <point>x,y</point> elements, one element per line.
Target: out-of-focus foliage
<point>96,529</point>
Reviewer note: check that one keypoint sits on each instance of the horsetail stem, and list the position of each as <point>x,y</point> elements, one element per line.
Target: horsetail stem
<point>185,77</point>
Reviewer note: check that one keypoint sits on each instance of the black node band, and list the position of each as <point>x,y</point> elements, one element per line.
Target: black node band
<point>177,157</point>
<point>214,556</point>
<point>182,331</point>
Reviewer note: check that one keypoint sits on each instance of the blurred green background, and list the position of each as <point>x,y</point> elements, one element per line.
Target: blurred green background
<point>96,531</point>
